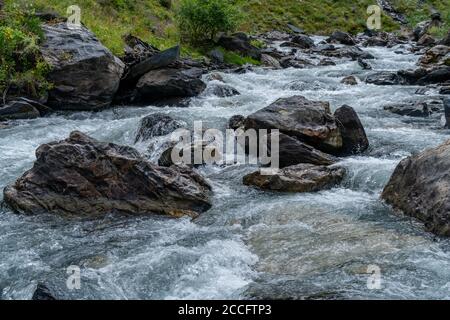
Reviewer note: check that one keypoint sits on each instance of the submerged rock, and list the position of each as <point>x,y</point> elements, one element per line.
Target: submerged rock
<point>222,90</point>
<point>354,138</point>
<point>384,78</point>
<point>81,176</point>
<point>236,122</point>
<point>157,124</point>
<point>43,293</point>
<point>420,187</point>
<point>350,80</point>
<point>309,121</point>
<point>298,178</point>
<point>412,109</point>
<point>85,74</point>
<point>303,41</point>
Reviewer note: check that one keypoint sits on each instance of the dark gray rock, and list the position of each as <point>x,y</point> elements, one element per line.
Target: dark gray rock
<point>270,61</point>
<point>85,74</point>
<point>426,41</point>
<point>222,90</point>
<point>42,293</point>
<point>295,29</point>
<point>240,43</point>
<point>157,124</point>
<point>444,90</point>
<point>350,80</point>
<point>236,122</point>
<point>412,109</point>
<point>217,56</point>
<point>169,83</point>
<point>384,78</point>
<point>16,110</point>
<point>437,75</point>
<point>363,64</point>
<point>309,121</point>
<point>81,176</point>
<point>420,188</point>
<point>303,41</point>
<point>354,138</point>
<point>447,112</point>
<point>298,178</point>
<point>342,38</point>
<point>156,61</point>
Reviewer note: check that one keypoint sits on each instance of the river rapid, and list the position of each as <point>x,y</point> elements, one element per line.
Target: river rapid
<point>251,244</point>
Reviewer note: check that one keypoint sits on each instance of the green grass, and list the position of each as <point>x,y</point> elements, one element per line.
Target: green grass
<point>234,58</point>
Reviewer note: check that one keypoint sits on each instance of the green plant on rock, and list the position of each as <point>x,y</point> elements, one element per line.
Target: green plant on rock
<point>201,20</point>
<point>22,69</point>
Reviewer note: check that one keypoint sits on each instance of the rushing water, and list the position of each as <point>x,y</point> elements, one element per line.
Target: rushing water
<point>251,243</point>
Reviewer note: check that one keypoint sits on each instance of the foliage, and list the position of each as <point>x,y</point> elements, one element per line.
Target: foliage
<point>201,20</point>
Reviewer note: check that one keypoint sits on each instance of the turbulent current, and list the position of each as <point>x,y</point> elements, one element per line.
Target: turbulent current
<point>251,244</point>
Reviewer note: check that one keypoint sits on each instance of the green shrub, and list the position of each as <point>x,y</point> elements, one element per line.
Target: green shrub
<point>201,20</point>
<point>22,68</point>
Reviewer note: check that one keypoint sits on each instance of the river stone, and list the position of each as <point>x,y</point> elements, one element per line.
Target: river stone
<point>303,41</point>
<point>85,74</point>
<point>420,187</point>
<point>354,138</point>
<point>350,80</point>
<point>18,110</point>
<point>436,75</point>
<point>240,43</point>
<point>447,112</point>
<point>222,90</point>
<point>292,152</point>
<point>298,178</point>
<point>341,37</point>
<point>384,78</point>
<point>309,121</point>
<point>269,61</point>
<point>157,124</point>
<point>236,122</point>
<point>81,176</point>
<point>42,293</point>
<point>169,83</point>
<point>434,55</point>
<point>412,109</point>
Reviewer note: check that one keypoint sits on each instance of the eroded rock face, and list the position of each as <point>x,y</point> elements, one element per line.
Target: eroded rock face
<point>309,121</point>
<point>420,188</point>
<point>85,74</point>
<point>298,178</point>
<point>81,176</point>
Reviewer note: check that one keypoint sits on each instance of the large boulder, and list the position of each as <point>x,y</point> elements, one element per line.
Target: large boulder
<point>303,41</point>
<point>436,75</point>
<point>241,44</point>
<point>157,124</point>
<point>85,74</point>
<point>298,178</point>
<point>354,138</point>
<point>420,187</point>
<point>81,176</point>
<point>16,110</point>
<point>309,121</point>
<point>169,83</point>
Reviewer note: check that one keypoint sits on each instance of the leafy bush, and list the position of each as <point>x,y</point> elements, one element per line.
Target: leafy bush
<point>201,20</point>
<point>22,69</point>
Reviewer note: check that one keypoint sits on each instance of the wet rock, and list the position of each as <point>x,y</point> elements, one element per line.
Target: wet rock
<point>376,42</point>
<point>294,62</point>
<point>446,40</point>
<point>384,78</point>
<point>363,64</point>
<point>85,74</point>
<point>156,61</point>
<point>326,62</point>
<point>196,147</point>
<point>347,52</point>
<point>81,176</point>
<point>240,43</point>
<point>444,90</point>
<point>342,38</point>
<point>436,75</point>
<point>419,187</point>
<point>276,36</point>
<point>309,121</point>
<point>409,109</point>
<point>43,293</point>
<point>354,138</point>
<point>18,110</point>
<point>269,61</point>
<point>169,83</point>
<point>214,77</point>
<point>43,109</point>
<point>236,122</point>
<point>303,41</point>
<point>292,152</point>
<point>222,90</point>
<point>350,80</point>
<point>157,124</point>
<point>447,112</point>
<point>298,178</point>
